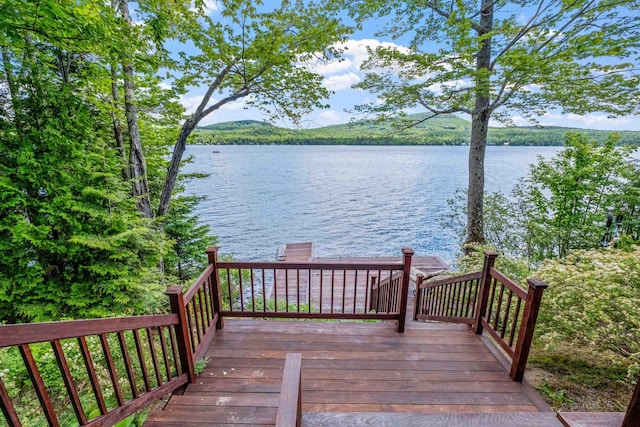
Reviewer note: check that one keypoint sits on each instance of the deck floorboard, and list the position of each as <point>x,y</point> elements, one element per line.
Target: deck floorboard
<point>346,367</point>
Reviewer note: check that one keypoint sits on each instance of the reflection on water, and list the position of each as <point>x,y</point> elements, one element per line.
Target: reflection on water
<point>348,200</point>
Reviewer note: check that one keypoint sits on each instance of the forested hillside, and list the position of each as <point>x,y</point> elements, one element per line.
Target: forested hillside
<point>440,130</point>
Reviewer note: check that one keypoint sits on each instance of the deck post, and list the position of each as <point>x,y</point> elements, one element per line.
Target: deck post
<point>632,417</point>
<point>404,290</point>
<point>176,298</point>
<point>483,295</point>
<point>529,318</point>
<point>416,305</point>
<point>214,281</point>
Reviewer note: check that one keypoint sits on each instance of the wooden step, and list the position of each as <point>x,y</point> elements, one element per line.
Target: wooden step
<point>381,419</point>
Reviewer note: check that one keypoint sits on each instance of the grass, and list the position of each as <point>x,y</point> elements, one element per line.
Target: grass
<point>577,380</point>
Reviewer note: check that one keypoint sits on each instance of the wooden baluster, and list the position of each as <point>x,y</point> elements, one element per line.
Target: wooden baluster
<point>516,315</point>
<point>38,385</point>
<point>344,288</point>
<point>241,290</point>
<point>321,290</point>
<point>216,296</point>
<point>632,417</point>
<point>202,303</point>
<point>373,298</point>
<point>493,285</point>
<point>418,306</point>
<point>143,365</point>
<point>481,303</point>
<point>355,290</point>
<point>229,289</point>
<point>8,410</point>
<point>127,363</point>
<point>264,296</point>
<point>333,276</point>
<point>497,318</point>
<point>298,287</point>
<point>404,290</point>
<point>112,369</point>
<point>93,377</point>
<point>188,308</point>
<point>154,356</point>
<point>165,353</point>
<point>286,290</point>
<point>174,346</point>
<point>529,318</point>
<point>309,290</point>
<point>68,382</point>
<point>182,331</point>
<point>506,314</point>
<point>253,291</point>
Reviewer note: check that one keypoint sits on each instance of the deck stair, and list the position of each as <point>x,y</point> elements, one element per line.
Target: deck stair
<point>384,419</point>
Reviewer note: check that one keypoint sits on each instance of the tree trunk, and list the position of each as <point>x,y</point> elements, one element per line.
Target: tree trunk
<point>479,128</point>
<point>136,156</point>
<point>117,125</point>
<point>174,166</point>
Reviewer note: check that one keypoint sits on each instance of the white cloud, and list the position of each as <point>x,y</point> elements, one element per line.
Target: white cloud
<point>587,121</point>
<point>329,117</point>
<point>354,54</point>
<point>209,7</point>
<point>341,81</point>
<point>190,103</point>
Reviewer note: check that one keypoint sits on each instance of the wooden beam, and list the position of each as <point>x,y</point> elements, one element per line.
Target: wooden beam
<point>290,406</point>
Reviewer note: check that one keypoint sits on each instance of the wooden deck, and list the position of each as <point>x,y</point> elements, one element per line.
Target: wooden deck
<point>348,291</point>
<point>350,367</point>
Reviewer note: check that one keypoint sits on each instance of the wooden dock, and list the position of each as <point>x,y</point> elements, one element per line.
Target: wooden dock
<point>335,291</point>
<point>354,371</point>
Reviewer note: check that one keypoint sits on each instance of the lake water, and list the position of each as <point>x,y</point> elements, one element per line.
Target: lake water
<point>348,200</point>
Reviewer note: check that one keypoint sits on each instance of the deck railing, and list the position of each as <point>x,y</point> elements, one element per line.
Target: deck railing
<point>447,300</point>
<point>314,290</point>
<point>155,354</point>
<point>128,363</point>
<point>487,300</point>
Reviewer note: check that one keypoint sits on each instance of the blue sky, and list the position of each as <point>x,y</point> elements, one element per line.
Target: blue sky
<point>339,76</point>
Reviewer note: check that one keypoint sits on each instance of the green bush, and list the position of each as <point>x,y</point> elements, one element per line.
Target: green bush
<point>593,302</point>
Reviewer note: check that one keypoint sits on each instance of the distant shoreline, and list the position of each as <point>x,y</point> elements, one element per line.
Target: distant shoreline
<point>446,130</point>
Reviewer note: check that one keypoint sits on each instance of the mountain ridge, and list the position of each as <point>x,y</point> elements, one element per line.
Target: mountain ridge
<point>445,129</point>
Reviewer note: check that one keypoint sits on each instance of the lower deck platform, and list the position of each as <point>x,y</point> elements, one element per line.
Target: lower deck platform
<point>347,367</point>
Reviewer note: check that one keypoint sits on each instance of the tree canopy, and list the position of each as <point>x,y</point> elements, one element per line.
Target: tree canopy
<point>493,59</point>
<point>89,116</point>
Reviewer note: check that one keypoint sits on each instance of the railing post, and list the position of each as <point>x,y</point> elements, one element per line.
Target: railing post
<point>529,318</point>
<point>416,305</point>
<point>483,295</point>
<point>214,281</point>
<point>404,290</point>
<point>632,417</point>
<point>182,331</point>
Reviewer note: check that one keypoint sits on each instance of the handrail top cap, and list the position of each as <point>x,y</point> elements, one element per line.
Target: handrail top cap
<point>537,284</point>
<point>211,249</point>
<point>174,290</point>
<point>490,253</point>
<point>407,251</point>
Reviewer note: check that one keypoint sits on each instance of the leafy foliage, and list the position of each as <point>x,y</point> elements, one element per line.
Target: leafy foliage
<point>563,202</point>
<point>593,302</point>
